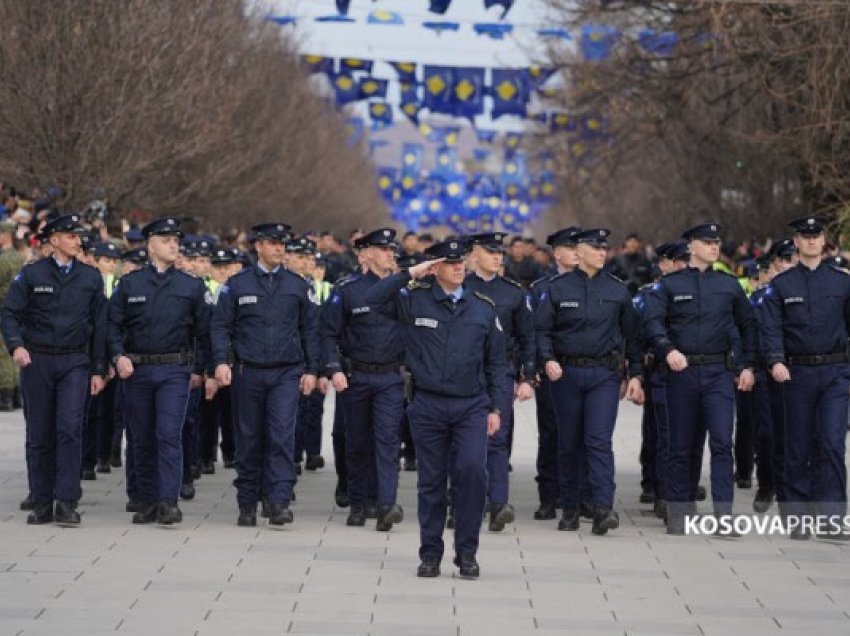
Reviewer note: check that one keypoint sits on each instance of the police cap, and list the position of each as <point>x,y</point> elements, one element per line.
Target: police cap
<point>452,251</point>
<point>165,226</point>
<point>138,256</point>
<point>598,237</point>
<point>271,232</point>
<point>808,225</point>
<point>301,245</point>
<point>565,236</point>
<point>703,232</point>
<point>783,248</point>
<point>384,237</point>
<point>490,241</point>
<point>106,250</point>
<point>64,223</point>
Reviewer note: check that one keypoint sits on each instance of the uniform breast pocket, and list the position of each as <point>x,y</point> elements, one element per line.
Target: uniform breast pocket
<point>797,311</point>
<point>178,304</point>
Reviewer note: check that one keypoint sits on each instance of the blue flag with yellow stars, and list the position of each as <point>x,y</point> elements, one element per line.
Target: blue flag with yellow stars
<point>468,92</point>
<point>371,87</point>
<point>481,154</point>
<point>446,135</point>
<point>317,63</point>
<point>537,76</point>
<point>562,122</point>
<point>444,166</point>
<point>409,103</point>
<point>509,93</point>
<point>597,41</point>
<point>345,87</point>
<point>512,142</point>
<point>386,181</point>
<point>354,130</point>
<point>438,82</point>
<point>485,136</point>
<point>592,126</point>
<point>355,64</point>
<point>381,115</point>
<point>439,6</point>
<point>382,16</point>
<point>406,71</point>
<point>505,4</point>
<point>496,31</point>
<point>411,165</point>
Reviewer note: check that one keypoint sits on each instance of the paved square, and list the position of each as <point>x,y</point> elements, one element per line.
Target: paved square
<point>320,577</point>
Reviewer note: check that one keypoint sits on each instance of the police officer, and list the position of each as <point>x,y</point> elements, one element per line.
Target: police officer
<point>265,315</point>
<point>363,354</point>
<point>806,312</point>
<point>585,324</point>
<point>563,246</point>
<point>691,318</point>
<point>513,306</point>
<point>53,323</point>
<point>159,341</point>
<point>455,350</point>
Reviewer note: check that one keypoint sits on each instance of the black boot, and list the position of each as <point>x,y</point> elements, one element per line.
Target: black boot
<point>387,516</point>
<point>341,496</point>
<point>371,510</point>
<point>357,517</point>
<point>647,495</point>
<point>208,468</point>
<point>428,569</point>
<point>468,566</point>
<point>280,514</point>
<point>17,402</point>
<point>546,511</point>
<point>65,514</point>
<point>146,513</point>
<point>701,493</point>
<point>763,500</point>
<point>27,504</point>
<point>570,519</point>
<point>604,520</point>
<point>115,458</point>
<point>167,513</point>
<point>6,403</point>
<point>103,467</point>
<point>409,464</point>
<point>187,491</point>
<point>247,516</point>
<point>41,514</point>
<point>500,516</point>
<point>314,462</point>
<point>88,474</point>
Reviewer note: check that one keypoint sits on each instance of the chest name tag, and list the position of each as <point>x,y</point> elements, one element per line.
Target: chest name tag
<point>247,300</point>
<point>426,322</point>
<point>569,304</point>
<point>360,310</point>
<point>682,298</point>
<point>793,300</point>
<point>42,289</point>
<point>137,299</point>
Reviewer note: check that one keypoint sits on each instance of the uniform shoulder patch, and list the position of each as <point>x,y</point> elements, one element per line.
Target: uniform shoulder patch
<point>346,280</point>
<point>484,297</point>
<point>840,269</point>
<point>418,284</point>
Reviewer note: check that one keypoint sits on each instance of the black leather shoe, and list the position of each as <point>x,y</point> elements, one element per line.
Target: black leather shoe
<point>280,515</point>
<point>356,518</point>
<point>701,493</point>
<point>115,458</point>
<point>570,519</point>
<point>187,491</point>
<point>167,513</point>
<point>585,509</point>
<point>133,506</point>
<point>744,482</point>
<point>247,516</point>
<point>41,514</point>
<point>387,516</point>
<point>468,566</point>
<point>763,500</point>
<point>88,474</point>
<point>196,472</point>
<point>409,464</point>
<point>208,468</point>
<point>103,467</point>
<point>229,463</point>
<point>647,495</point>
<point>314,462</point>
<point>604,520</point>
<point>341,496</point>
<point>65,514</point>
<point>500,516</point>
<point>428,569</point>
<point>371,510</point>
<point>146,513</point>
<point>546,511</point>
<point>26,503</point>
<point>660,509</point>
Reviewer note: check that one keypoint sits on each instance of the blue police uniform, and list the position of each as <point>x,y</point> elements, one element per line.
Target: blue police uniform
<point>160,321</point>
<point>364,343</point>
<point>455,351</point>
<point>269,321</point>
<point>513,306</point>
<point>805,317</point>
<point>56,312</point>
<point>699,314</point>
<point>588,325</point>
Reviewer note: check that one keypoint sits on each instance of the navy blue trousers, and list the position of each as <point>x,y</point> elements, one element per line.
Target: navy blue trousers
<point>815,433</point>
<point>547,444</point>
<point>777,411</point>
<point>586,401</point>
<point>217,414</point>
<point>451,441</point>
<point>308,434</point>
<point>155,399</point>
<point>700,399</point>
<point>191,434</point>
<point>55,387</point>
<point>649,446</point>
<point>499,449</point>
<point>763,411</point>
<point>267,402</point>
<point>99,428</point>
<point>373,405</point>
<point>338,440</point>
<point>658,397</point>
<point>745,433</point>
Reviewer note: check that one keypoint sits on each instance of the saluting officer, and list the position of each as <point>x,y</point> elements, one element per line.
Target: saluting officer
<point>805,327</point>
<point>693,319</point>
<point>513,306</point>
<point>586,325</point>
<point>368,377</point>
<point>455,350</point>
<point>266,317</point>
<point>53,322</point>
<point>159,340</point>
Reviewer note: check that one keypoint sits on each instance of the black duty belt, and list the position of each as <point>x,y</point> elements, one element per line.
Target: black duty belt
<point>265,365</point>
<point>612,362</point>
<point>698,359</point>
<point>158,358</point>
<point>374,367</point>
<point>54,350</point>
<point>819,358</point>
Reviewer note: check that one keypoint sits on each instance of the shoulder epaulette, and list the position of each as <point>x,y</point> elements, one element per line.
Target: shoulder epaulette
<point>616,278</point>
<point>542,279</point>
<point>345,280</point>
<point>840,269</point>
<point>418,284</point>
<point>513,282</point>
<point>484,297</point>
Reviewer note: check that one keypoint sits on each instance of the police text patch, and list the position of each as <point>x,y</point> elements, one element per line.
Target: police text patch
<point>569,304</point>
<point>426,322</point>
<point>42,289</point>
<point>137,299</point>
<point>682,298</point>
<point>793,300</point>
<point>360,310</point>
<point>247,300</point>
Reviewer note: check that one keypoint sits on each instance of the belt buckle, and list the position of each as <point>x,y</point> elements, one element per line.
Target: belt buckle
<point>819,358</point>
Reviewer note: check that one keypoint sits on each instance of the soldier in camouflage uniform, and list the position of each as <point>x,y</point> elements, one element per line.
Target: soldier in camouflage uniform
<point>11,263</point>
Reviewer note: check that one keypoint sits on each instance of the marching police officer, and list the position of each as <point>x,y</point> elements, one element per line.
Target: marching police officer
<point>805,327</point>
<point>53,323</point>
<point>693,319</point>
<point>513,306</point>
<point>585,324</point>
<point>159,340</point>
<point>455,350</point>
<point>266,316</point>
<point>367,374</point>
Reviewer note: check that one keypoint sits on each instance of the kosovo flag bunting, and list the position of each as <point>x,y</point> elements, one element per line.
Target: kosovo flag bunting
<point>554,33</point>
<point>509,92</point>
<point>371,87</point>
<point>512,141</point>
<point>537,76</point>
<point>560,122</point>
<point>318,63</point>
<point>481,154</point>
<point>406,71</point>
<point>439,6</point>
<point>663,44</point>
<point>438,82</point>
<point>382,16</point>
<point>410,104</point>
<point>282,20</point>
<point>342,6</point>
<point>354,130</point>
<point>505,4</point>
<point>386,181</point>
<point>485,136</point>
<point>597,41</point>
<point>381,114</point>
<point>592,126</point>
<point>497,30</point>
<point>355,64</point>
<point>411,165</point>
<point>469,92</point>
<point>345,88</point>
<point>439,27</point>
<point>445,164</point>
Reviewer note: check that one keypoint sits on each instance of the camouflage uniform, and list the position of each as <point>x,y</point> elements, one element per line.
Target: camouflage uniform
<point>10,264</point>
